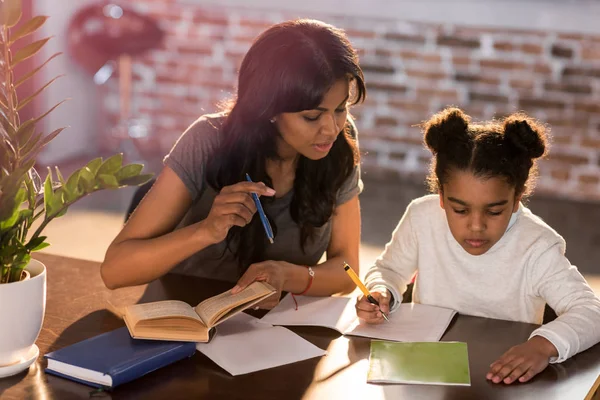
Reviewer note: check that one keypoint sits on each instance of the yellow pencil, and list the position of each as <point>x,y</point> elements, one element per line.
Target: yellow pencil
<point>363,288</point>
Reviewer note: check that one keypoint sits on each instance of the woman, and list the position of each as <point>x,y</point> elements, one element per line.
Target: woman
<point>289,129</point>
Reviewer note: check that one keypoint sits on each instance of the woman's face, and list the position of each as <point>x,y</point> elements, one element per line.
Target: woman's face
<point>311,133</point>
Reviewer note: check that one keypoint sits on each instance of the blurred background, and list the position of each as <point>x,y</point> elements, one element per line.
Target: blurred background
<point>138,73</point>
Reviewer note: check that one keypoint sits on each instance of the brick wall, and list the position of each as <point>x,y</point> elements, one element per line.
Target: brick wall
<point>412,70</point>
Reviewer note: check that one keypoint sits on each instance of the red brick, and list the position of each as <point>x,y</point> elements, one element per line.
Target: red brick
<point>588,107</point>
<point>386,87</point>
<point>449,95</point>
<point>476,78</point>
<point>404,105</point>
<point>254,23</point>
<point>457,41</point>
<point>590,52</point>
<point>570,36</point>
<point>542,68</point>
<point>383,52</point>
<point>355,33</point>
<point>488,97</point>
<point>505,46</point>
<point>201,16</point>
<point>530,102</point>
<point>561,51</point>
<point>461,60</point>
<point>531,48</point>
<point>581,72</point>
<point>560,174</point>
<point>194,50</point>
<point>572,159</point>
<point>522,83</point>
<point>377,68</point>
<point>386,121</point>
<point>568,88</point>
<point>402,37</point>
<point>590,142</point>
<point>501,64</point>
<point>589,179</point>
<point>426,57</point>
<point>419,73</point>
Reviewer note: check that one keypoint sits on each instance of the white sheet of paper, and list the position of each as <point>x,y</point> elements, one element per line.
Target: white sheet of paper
<point>245,344</point>
<point>336,313</point>
<point>409,323</point>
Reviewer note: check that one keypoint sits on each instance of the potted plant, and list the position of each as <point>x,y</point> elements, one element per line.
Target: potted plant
<point>25,199</point>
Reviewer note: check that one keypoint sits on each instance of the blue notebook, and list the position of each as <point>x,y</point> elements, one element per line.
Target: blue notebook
<point>113,358</point>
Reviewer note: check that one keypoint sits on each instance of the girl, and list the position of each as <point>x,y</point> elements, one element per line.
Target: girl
<point>479,251</point>
<point>288,128</point>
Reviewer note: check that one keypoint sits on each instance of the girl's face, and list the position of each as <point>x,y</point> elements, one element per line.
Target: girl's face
<point>311,133</point>
<point>478,209</point>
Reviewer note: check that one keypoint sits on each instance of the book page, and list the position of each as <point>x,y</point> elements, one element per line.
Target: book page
<point>245,344</point>
<point>409,323</point>
<point>159,309</point>
<point>336,313</point>
<point>212,310</point>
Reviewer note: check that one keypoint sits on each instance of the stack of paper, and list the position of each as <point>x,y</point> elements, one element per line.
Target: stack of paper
<point>244,344</point>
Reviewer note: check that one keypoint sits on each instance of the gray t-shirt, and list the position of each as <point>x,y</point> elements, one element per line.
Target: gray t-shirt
<point>188,158</point>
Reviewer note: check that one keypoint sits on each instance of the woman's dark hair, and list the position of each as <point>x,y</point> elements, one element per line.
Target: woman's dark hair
<point>504,148</point>
<point>289,68</point>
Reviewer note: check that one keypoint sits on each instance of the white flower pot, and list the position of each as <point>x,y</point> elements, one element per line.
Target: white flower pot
<point>22,307</point>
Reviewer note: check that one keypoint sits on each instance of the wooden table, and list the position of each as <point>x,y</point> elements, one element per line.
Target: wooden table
<point>78,308</point>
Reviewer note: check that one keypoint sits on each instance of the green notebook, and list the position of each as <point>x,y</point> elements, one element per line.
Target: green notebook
<point>425,363</point>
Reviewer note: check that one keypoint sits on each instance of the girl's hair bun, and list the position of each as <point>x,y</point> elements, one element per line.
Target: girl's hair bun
<point>449,125</point>
<point>525,135</point>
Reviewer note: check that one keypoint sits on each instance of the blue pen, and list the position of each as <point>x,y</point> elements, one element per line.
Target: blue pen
<point>261,214</point>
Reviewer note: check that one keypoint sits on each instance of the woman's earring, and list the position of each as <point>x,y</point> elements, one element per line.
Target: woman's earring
<point>272,120</point>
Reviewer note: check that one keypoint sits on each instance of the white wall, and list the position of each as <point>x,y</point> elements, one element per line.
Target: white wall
<point>80,113</point>
<point>560,15</point>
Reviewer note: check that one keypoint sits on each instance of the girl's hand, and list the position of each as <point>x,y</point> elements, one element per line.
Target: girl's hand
<point>522,362</point>
<point>272,272</point>
<point>233,206</point>
<point>370,313</point>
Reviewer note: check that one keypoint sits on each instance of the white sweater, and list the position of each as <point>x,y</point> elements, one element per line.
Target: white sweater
<point>513,280</point>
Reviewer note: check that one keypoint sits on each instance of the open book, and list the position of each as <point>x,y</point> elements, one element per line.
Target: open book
<point>177,320</point>
<point>409,323</point>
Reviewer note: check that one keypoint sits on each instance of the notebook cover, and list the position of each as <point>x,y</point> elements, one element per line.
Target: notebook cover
<point>428,363</point>
<point>115,353</point>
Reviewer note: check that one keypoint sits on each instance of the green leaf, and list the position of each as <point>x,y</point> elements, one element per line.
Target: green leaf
<point>14,214</point>
<point>108,181</point>
<point>137,180</point>
<point>27,28</point>
<point>93,165</point>
<point>51,136</point>
<point>25,132</point>
<point>86,181</point>
<point>28,51</point>
<point>10,12</point>
<point>34,71</point>
<point>59,176</point>
<point>71,187</point>
<point>35,242</point>
<point>58,204</point>
<point>129,171</point>
<point>40,247</point>
<point>48,192</point>
<point>49,111</point>
<point>28,99</point>
<point>111,165</point>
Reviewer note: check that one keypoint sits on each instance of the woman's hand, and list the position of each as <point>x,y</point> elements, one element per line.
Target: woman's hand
<point>370,313</point>
<point>522,362</point>
<point>272,272</point>
<point>233,206</point>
